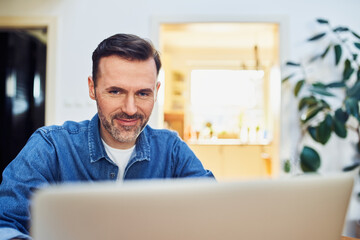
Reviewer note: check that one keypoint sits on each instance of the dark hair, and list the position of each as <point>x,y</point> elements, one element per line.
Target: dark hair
<point>127,46</point>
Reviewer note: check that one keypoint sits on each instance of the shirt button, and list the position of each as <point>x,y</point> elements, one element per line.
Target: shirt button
<point>112,175</point>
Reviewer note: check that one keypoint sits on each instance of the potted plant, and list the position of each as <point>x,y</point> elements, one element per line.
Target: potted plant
<point>327,106</point>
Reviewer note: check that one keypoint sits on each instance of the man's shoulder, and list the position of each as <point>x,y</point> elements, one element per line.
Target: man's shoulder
<point>69,127</point>
<point>162,133</point>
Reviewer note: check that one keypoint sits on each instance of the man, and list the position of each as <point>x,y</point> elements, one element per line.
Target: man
<point>115,144</point>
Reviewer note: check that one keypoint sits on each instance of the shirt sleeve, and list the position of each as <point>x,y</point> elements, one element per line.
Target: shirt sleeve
<point>186,164</point>
<point>10,233</point>
<point>21,178</point>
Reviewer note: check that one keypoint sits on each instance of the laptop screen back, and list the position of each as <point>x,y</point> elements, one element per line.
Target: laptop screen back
<point>299,208</point>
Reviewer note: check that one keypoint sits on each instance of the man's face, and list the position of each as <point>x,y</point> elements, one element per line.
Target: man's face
<point>125,94</point>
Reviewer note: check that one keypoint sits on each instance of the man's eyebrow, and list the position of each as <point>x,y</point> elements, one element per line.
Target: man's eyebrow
<point>145,90</point>
<point>115,88</point>
<point>112,88</point>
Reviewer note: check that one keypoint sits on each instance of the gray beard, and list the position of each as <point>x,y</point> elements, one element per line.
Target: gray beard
<point>125,134</point>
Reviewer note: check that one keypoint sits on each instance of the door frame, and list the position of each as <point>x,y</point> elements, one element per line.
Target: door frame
<point>283,21</point>
<point>50,23</point>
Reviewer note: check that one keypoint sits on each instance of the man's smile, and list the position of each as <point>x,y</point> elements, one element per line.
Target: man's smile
<point>127,122</point>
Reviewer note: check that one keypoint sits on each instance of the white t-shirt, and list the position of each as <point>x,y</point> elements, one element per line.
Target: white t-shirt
<point>120,157</point>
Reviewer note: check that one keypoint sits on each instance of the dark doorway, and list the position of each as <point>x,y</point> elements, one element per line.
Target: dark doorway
<point>22,89</point>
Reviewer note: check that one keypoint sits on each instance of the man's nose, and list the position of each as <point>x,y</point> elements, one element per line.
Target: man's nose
<point>130,107</point>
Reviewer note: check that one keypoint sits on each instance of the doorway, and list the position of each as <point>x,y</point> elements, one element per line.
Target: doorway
<point>27,78</point>
<point>22,88</point>
<point>221,84</point>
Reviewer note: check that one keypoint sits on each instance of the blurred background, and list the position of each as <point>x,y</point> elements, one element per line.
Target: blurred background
<point>221,77</point>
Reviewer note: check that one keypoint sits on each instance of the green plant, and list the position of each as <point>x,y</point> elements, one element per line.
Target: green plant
<point>327,106</point>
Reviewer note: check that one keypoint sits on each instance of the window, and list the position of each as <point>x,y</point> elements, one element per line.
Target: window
<point>227,104</point>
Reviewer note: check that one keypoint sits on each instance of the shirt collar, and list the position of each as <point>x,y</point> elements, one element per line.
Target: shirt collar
<point>142,146</point>
<point>96,148</point>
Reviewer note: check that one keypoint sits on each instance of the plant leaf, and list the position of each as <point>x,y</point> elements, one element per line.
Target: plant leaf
<point>307,101</point>
<point>354,91</point>
<point>355,34</point>
<point>314,58</point>
<point>298,87</point>
<point>341,115</point>
<point>336,85</point>
<point>317,36</point>
<point>311,112</point>
<point>312,131</point>
<point>351,167</point>
<point>358,75</point>
<point>321,91</point>
<point>357,45</point>
<point>339,128</point>
<point>326,51</point>
<point>319,85</point>
<point>340,29</point>
<point>293,64</point>
<point>352,107</point>
<point>323,132</point>
<point>309,160</point>
<point>287,166</point>
<point>322,21</point>
<point>324,103</point>
<point>328,120</point>
<point>347,73</point>
<point>287,78</point>
<point>338,52</point>
<point>348,70</point>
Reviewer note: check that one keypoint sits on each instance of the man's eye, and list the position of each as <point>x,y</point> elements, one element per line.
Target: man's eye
<point>114,92</point>
<point>144,94</point>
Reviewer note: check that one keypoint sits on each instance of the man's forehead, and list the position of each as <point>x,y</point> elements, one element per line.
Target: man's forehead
<point>114,64</point>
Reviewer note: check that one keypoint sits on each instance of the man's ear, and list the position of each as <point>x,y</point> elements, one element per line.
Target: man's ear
<point>157,89</point>
<point>91,88</point>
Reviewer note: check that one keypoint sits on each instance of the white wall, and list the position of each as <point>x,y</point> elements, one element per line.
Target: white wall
<point>82,24</point>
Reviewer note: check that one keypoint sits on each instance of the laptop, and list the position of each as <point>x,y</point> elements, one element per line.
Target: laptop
<point>293,208</point>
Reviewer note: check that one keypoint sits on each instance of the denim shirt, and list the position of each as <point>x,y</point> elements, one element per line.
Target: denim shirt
<point>74,152</point>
